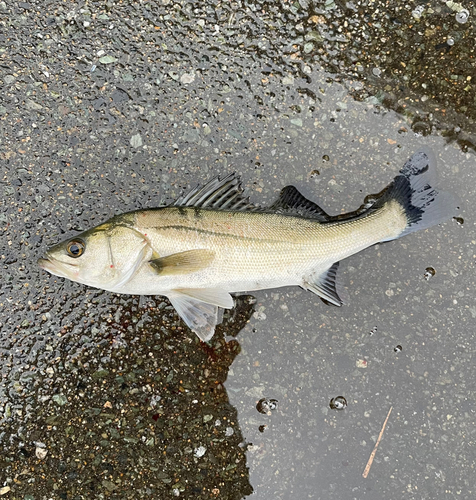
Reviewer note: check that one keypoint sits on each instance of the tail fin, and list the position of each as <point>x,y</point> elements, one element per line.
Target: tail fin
<point>414,189</point>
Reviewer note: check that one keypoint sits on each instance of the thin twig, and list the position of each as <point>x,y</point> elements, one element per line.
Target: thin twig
<point>374,451</point>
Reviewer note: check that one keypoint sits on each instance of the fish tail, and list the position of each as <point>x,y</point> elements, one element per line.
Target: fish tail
<point>423,205</point>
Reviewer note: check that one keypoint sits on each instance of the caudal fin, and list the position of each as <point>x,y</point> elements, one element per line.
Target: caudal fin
<point>414,190</point>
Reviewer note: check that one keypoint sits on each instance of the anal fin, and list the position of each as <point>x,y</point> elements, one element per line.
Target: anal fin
<point>324,284</point>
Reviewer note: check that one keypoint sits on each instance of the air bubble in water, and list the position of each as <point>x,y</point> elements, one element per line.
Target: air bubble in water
<point>314,174</point>
<point>338,403</point>
<point>266,405</point>
<point>462,16</point>
<point>429,273</point>
<point>369,200</point>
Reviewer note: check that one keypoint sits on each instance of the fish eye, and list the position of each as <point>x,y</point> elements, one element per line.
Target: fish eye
<point>75,248</point>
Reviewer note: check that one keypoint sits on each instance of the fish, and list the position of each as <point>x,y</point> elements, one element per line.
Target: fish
<point>212,242</point>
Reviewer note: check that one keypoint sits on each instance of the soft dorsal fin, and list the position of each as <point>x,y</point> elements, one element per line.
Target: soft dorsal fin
<point>292,202</point>
<point>220,194</point>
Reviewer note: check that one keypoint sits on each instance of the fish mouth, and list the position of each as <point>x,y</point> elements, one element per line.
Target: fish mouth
<point>53,266</point>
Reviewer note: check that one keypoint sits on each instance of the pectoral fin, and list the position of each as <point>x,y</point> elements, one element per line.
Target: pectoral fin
<point>324,285</point>
<point>199,316</point>
<point>183,262</point>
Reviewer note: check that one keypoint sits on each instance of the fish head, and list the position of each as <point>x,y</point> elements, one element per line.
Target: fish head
<point>104,257</point>
<point>85,258</point>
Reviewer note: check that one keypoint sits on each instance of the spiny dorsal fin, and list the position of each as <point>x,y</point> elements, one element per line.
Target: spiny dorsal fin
<point>220,194</point>
<point>292,202</point>
<point>186,262</point>
<point>324,285</point>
